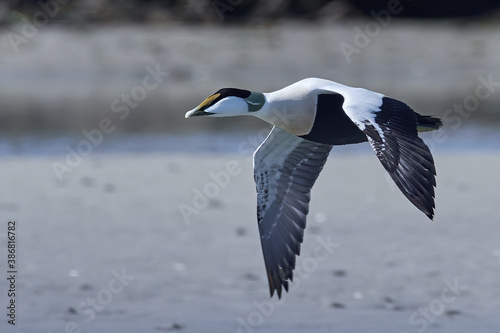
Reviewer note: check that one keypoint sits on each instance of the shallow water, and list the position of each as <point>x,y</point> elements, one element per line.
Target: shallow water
<point>471,138</point>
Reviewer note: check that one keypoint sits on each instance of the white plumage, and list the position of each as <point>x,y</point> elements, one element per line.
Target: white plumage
<point>310,117</point>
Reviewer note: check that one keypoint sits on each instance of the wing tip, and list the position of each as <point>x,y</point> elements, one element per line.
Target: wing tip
<point>276,285</point>
<point>428,210</point>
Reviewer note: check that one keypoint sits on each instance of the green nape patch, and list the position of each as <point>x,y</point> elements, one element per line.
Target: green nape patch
<point>255,101</point>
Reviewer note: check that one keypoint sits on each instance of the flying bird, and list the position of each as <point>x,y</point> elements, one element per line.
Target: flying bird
<point>310,117</point>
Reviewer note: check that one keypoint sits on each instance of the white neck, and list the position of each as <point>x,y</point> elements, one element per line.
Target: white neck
<point>292,108</point>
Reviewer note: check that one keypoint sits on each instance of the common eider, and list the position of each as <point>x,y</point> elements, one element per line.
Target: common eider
<point>310,117</point>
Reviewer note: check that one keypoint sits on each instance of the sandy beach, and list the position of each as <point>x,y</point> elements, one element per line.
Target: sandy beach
<point>153,227</point>
<point>110,250</point>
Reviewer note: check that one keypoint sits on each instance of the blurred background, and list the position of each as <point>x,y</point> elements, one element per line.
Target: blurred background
<point>104,174</point>
<point>64,64</point>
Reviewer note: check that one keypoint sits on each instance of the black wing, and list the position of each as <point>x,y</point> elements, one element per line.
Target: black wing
<point>285,169</point>
<point>393,136</point>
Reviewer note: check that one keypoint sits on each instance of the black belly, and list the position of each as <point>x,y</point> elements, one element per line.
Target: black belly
<point>331,125</point>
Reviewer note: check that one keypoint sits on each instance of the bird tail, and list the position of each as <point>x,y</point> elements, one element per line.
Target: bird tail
<point>427,123</point>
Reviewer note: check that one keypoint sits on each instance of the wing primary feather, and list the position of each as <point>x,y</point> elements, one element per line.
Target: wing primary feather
<point>285,169</point>
<point>392,132</point>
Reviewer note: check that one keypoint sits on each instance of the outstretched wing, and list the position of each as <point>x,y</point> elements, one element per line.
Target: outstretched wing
<point>391,128</point>
<point>285,169</point>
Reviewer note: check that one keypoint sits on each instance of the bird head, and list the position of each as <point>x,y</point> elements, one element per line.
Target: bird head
<point>229,102</point>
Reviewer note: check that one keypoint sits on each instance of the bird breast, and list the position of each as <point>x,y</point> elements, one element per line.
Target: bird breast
<point>294,115</point>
